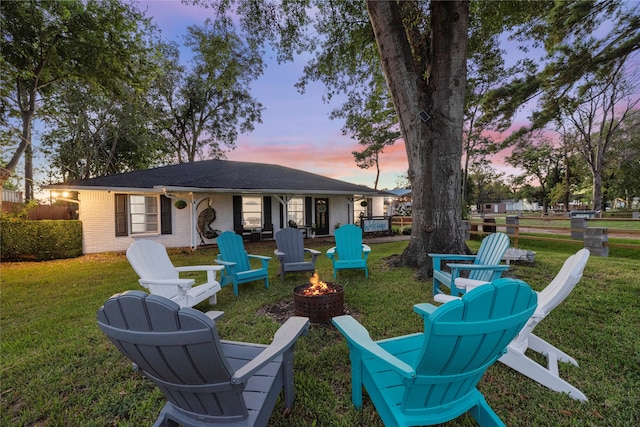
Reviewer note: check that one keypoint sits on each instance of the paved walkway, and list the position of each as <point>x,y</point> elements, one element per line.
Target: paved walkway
<point>385,239</point>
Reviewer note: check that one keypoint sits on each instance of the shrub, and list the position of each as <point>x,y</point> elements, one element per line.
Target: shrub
<point>40,240</point>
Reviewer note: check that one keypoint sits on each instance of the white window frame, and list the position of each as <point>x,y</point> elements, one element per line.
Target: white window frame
<point>252,212</point>
<point>295,211</point>
<point>144,214</point>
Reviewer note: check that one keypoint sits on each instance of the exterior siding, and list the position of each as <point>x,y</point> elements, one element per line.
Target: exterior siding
<point>97,213</point>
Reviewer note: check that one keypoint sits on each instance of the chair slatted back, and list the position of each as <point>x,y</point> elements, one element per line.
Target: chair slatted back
<point>176,348</point>
<point>291,242</point>
<point>151,261</point>
<point>492,249</point>
<point>464,337</point>
<point>232,249</point>
<point>558,290</point>
<point>564,282</point>
<point>349,242</point>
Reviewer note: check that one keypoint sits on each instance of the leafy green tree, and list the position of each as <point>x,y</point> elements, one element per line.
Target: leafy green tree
<point>623,165</point>
<point>211,103</point>
<point>580,38</point>
<point>373,123</point>
<point>596,117</point>
<point>541,160</point>
<point>44,43</point>
<point>488,186</point>
<point>92,133</point>
<point>486,71</point>
<point>421,48</point>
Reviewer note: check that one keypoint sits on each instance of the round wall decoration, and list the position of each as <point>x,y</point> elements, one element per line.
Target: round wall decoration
<point>205,223</point>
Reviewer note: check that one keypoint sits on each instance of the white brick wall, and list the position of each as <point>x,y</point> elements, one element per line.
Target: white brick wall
<point>97,213</point>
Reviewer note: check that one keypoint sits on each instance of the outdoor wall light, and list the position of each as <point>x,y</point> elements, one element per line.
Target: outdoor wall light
<point>424,116</point>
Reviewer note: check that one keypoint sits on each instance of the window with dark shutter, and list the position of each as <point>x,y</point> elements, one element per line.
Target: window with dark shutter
<point>308,209</point>
<point>165,215</point>
<point>237,212</point>
<point>266,208</point>
<point>121,201</point>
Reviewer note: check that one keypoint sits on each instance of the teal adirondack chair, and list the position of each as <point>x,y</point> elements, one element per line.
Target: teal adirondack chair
<point>486,266</point>
<point>349,253</point>
<point>431,377</point>
<point>236,262</point>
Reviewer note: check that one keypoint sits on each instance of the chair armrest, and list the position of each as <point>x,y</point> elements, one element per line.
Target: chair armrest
<point>263,259</point>
<point>331,252</point>
<point>438,258</point>
<point>210,269</point>
<point>200,268</point>
<point>459,257</point>
<point>214,315</point>
<point>283,340</point>
<point>357,336</point>
<point>225,263</point>
<point>444,298</point>
<point>314,254</point>
<point>365,250</point>
<point>457,268</point>
<point>500,267</point>
<point>424,309</point>
<point>280,255</point>
<point>183,284</point>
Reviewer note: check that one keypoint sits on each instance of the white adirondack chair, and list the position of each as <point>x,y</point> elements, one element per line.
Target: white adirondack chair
<point>157,274</point>
<point>549,298</point>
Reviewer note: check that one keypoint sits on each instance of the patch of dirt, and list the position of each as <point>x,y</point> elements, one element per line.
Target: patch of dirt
<point>392,261</point>
<point>283,310</point>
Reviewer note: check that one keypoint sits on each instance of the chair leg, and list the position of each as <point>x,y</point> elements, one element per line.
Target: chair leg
<point>540,374</point>
<point>356,378</point>
<point>484,415</point>
<point>287,371</point>
<point>164,420</point>
<point>541,346</point>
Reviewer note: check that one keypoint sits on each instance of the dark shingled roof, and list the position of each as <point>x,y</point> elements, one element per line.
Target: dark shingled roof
<point>223,175</point>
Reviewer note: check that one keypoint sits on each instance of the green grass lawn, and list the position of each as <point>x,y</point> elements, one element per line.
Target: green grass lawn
<point>58,369</point>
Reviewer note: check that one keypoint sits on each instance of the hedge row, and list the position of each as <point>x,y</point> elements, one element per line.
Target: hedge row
<point>40,240</point>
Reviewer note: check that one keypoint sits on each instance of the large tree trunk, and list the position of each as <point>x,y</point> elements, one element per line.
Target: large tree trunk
<point>596,192</point>
<point>434,88</point>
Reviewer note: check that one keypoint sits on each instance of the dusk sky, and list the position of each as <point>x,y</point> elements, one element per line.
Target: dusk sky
<point>296,130</point>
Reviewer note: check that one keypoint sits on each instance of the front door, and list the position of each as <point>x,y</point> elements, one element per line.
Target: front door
<point>322,216</point>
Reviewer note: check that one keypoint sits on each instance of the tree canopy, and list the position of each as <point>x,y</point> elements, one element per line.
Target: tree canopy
<point>45,44</point>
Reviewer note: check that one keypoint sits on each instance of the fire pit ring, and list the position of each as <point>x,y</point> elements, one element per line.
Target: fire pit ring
<point>319,308</point>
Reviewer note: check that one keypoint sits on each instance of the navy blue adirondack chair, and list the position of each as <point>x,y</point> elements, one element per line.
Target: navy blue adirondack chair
<point>237,262</point>
<point>430,378</point>
<point>206,380</point>
<point>486,266</point>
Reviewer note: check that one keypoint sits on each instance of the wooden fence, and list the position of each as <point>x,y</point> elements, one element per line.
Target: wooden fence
<point>583,231</point>
<point>401,221</point>
<point>42,211</point>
